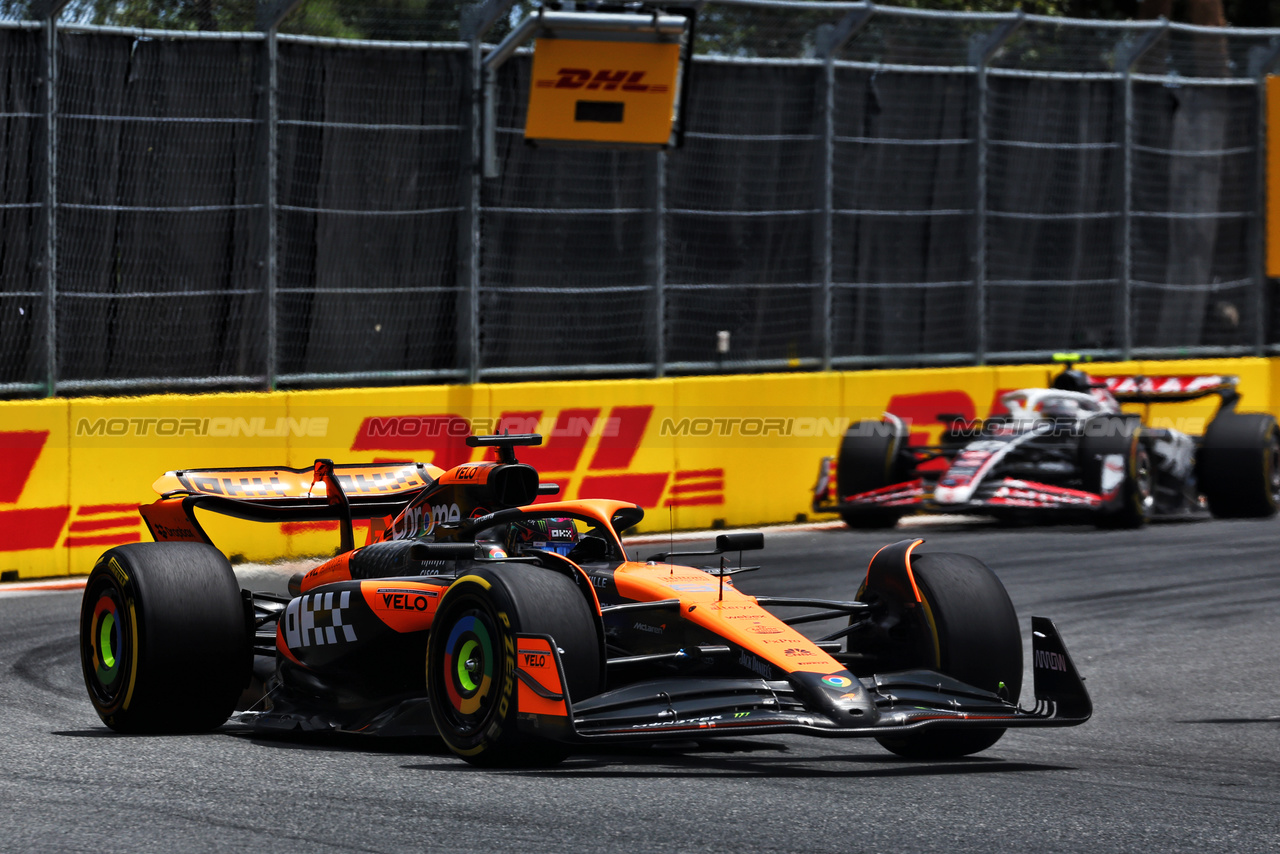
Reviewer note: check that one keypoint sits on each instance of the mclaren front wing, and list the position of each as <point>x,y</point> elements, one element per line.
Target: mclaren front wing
<point>838,705</point>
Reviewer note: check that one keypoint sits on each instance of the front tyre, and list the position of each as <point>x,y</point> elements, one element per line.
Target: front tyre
<point>870,458</point>
<point>972,635</point>
<point>164,639</point>
<point>471,660</point>
<point>1109,439</point>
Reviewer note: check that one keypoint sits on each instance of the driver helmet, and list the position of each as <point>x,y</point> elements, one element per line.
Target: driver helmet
<point>1060,408</point>
<point>557,535</point>
<point>1073,380</point>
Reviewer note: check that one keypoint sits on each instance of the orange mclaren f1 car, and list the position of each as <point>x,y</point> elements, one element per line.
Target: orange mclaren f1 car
<point>520,632</point>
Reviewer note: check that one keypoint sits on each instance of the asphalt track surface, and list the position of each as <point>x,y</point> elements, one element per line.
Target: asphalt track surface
<point>1174,627</point>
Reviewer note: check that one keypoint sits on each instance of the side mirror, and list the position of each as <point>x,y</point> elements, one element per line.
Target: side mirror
<point>749,541</point>
<point>626,517</point>
<point>442,551</point>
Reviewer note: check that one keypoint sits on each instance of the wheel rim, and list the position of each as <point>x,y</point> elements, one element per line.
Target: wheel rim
<point>468,669</point>
<point>1143,482</point>
<point>107,633</point>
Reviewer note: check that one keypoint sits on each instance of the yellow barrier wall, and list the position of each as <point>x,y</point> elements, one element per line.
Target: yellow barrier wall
<point>694,452</point>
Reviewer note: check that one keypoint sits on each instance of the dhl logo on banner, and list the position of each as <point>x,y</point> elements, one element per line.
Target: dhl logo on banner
<point>606,80</point>
<point>99,526</point>
<point>605,473</point>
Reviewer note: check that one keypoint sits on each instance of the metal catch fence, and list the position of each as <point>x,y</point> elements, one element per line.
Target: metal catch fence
<point>858,185</point>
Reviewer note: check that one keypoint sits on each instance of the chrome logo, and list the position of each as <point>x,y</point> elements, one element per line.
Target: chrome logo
<point>837,681</point>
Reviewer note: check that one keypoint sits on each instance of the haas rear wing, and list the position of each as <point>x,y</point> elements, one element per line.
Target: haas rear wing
<point>1170,389</point>
<point>324,492</point>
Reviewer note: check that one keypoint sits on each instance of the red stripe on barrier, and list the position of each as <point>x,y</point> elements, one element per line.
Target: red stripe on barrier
<point>102,524</point>
<point>698,486</point>
<point>696,501</point>
<point>99,509</point>
<point>19,451</point>
<point>642,489</point>
<point>31,528</point>
<point>691,474</point>
<point>618,447</point>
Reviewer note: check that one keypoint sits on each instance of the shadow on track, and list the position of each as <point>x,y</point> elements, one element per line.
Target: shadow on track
<point>1269,719</point>
<point>682,765</point>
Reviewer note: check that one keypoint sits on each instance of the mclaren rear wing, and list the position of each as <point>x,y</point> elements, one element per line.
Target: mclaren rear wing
<point>324,492</point>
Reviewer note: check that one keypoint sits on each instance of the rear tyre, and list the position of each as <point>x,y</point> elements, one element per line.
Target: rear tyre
<point>974,637</point>
<point>471,666</point>
<point>869,459</point>
<point>1117,436</point>
<point>165,642</point>
<point>1238,465</point>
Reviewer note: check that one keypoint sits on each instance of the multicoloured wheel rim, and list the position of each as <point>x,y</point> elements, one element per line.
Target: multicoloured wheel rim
<point>107,641</point>
<point>469,665</point>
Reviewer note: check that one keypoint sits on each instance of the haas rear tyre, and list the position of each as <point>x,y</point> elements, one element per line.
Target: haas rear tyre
<point>1238,465</point>
<point>870,458</point>
<point>1115,462</point>
<point>165,642</point>
<point>471,665</point>
<point>975,638</point>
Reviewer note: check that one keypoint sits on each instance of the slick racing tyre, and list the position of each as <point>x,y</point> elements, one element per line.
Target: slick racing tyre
<point>870,458</point>
<point>471,666</point>
<point>974,637</point>
<point>1238,465</point>
<point>1117,436</point>
<point>165,642</point>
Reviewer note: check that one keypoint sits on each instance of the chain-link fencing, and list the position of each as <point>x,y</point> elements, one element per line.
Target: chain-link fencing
<point>857,185</point>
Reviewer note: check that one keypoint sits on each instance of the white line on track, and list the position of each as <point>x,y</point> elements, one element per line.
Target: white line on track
<point>51,585</point>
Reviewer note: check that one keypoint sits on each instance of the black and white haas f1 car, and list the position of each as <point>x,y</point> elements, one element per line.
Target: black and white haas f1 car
<point>521,632</point>
<point>1067,450</point>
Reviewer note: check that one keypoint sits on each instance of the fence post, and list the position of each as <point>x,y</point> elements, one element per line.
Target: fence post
<point>981,52</point>
<point>270,14</point>
<point>831,39</point>
<point>1261,61</point>
<point>1127,55</point>
<point>659,261</point>
<point>475,21</point>
<point>47,11</point>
